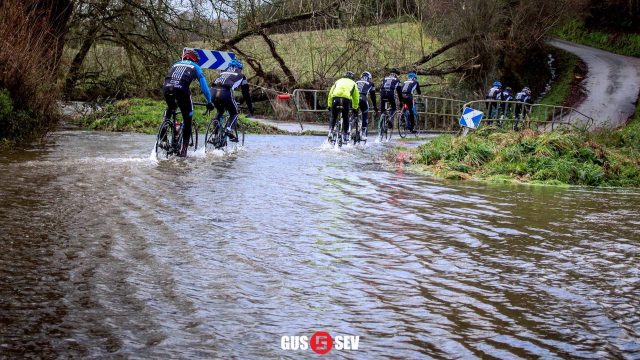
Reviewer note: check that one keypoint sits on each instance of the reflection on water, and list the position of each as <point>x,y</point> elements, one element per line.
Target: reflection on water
<point>106,252</point>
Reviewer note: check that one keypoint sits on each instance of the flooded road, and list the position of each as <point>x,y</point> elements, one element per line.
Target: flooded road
<point>107,253</point>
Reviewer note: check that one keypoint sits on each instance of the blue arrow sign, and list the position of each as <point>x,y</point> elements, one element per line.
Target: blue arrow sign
<point>211,59</point>
<point>471,118</point>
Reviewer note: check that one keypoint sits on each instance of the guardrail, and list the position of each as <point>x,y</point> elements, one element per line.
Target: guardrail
<point>435,114</point>
<point>518,115</point>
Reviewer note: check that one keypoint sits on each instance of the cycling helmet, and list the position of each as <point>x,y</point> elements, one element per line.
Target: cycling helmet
<point>497,84</point>
<point>366,75</point>
<point>527,91</point>
<point>508,89</point>
<point>412,75</point>
<point>349,75</point>
<point>190,55</point>
<point>395,71</point>
<point>235,64</point>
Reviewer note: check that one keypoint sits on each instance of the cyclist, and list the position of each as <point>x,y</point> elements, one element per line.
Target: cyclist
<point>504,95</point>
<point>523,105</point>
<point>408,88</point>
<point>493,95</point>
<point>388,89</point>
<point>366,86</point>
<point>177,94</point>
<point>344,93</point>
<point>223,87</point>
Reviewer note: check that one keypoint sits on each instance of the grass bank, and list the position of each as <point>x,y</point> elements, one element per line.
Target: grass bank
<point>619,43</point>
<point>144,116</point>
<point>602,159</point>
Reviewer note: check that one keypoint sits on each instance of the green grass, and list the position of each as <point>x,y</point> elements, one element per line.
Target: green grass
<point>552,158</point>
<point>619,43</point>
<point>145,115</point>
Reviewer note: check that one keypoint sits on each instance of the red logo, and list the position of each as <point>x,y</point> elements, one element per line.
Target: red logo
<point>321,342</point>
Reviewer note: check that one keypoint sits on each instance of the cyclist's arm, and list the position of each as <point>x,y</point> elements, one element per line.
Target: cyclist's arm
<point>203,84</point>
<point>246,95</point>
<point>399,91</point>
<point>418,89</point>
<point>355,96</point>
<point>330,97</point>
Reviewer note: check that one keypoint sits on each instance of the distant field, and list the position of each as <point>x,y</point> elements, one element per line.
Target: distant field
<point>327,53</point>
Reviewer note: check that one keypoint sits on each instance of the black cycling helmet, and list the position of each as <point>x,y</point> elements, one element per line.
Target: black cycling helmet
<point>395,71</point>
<point>350,75</point>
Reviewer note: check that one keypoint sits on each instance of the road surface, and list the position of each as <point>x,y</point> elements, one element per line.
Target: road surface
<point>612,84</point>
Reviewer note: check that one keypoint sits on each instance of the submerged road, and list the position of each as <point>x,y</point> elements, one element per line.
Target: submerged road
<point>612,84</point>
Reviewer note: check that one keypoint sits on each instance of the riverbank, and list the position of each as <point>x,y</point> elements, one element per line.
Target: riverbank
<point>604,159</point>
<point>144,115</point>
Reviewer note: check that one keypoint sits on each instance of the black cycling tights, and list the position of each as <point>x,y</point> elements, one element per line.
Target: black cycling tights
<point>336,111</point>
<point>180,98</point>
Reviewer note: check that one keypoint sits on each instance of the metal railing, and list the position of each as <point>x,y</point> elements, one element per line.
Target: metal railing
<point>518,115</point>
<point>435,114</point>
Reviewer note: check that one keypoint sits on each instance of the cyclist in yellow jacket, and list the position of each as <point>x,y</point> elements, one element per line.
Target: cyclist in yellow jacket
<point>343,96</point>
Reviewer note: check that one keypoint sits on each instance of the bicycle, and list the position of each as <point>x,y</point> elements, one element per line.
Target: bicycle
<point>354,128</point>
<point>383,125</point>
<point>169,137</point>
<point>217,138</point>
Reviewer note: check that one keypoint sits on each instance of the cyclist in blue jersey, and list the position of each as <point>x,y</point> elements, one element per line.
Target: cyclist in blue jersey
<point>410,87</point>
<point>177,94</point>
<point>223,87</point>
<point>389,87</point>
<point>366,87</point>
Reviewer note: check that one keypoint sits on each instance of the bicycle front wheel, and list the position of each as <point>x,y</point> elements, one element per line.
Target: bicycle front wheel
<point>165,140</point>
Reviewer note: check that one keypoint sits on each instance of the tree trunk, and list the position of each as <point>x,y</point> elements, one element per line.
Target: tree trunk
<point>76,65</point>
<point>272,47</point>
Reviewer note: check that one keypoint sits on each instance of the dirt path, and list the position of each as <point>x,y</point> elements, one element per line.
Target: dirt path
<point>612,84</point>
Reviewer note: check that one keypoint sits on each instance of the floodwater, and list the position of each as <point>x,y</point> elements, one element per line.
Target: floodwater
<point>108,253</point>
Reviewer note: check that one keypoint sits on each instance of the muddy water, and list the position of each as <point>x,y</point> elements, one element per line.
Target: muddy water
<point>105,252</point>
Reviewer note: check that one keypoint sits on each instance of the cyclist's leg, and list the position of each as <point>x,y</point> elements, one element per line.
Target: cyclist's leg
<point>364,108</point>
<point>335,103</point>
<point>232,108</point>
<point>346,108</point>
<point>394,108</point>
<point>170,99</point>
<point>186,107</point>
<point>412,115</point>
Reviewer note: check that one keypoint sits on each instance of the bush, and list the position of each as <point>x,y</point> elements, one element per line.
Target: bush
<point>28,107</point>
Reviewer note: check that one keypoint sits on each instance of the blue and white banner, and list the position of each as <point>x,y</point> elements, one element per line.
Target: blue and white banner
<point>471,118</point>
<point>212,59</point>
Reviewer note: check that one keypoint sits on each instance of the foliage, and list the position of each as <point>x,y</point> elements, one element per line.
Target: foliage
<point>619,43</point>
<point>548,158</point>
<point>145,115</point>
<point>27,74</point>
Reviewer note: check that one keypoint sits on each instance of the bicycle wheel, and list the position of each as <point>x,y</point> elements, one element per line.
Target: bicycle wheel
<point>211,136</point>
<point>354,131</point>
<point>165,140</point>
<point>402,124</point>
<point>382,127</point>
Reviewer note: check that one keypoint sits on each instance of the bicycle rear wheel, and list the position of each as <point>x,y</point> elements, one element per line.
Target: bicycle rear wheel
<point>166,139</point>
<point>211,136</point>
<point>402,124</point>
<point>354,129</point>
<point>382,127</point>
